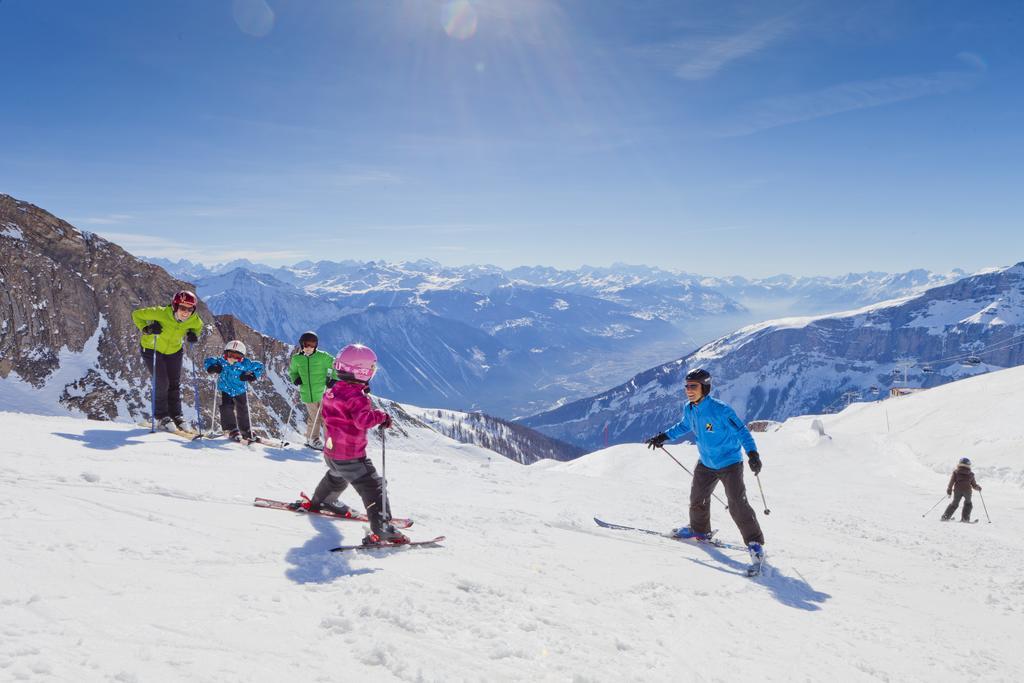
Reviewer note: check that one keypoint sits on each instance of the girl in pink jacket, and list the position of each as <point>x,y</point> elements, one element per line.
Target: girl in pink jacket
<point>348,414</point>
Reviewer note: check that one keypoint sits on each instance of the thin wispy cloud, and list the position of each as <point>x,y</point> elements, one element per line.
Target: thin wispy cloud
<point>695,58</point>
<point>368,176</point>
<point>420,228</point>
<point>159,247</point>
<point>109,219</point>
<point>845,97</point>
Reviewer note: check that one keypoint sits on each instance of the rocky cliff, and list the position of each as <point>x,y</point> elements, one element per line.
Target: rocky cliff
<point>67,342</point>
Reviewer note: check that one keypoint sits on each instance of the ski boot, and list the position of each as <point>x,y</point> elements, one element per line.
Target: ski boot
<point>166,424</point>
<point>756,558</point>
<point>686,532</point>
<point>388,535</point>
<point>315,444</point>
<point>181,424</point>
<point>236,436</point>
<point>339,509</point>
<point>756,551</point>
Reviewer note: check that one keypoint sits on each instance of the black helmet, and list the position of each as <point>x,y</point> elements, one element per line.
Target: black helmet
<point>309,336</point>
<point>700,375</point>
<point>965,461</point>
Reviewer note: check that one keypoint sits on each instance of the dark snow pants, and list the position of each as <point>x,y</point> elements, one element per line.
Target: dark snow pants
<point>168,382</point>
<point>361,474</point>
<point>704,481</point>
<point>968,505</point>
<point>234,414</point>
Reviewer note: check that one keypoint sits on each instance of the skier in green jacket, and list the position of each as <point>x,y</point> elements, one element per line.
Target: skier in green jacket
<point>312,371</point>
<point>163,328</point>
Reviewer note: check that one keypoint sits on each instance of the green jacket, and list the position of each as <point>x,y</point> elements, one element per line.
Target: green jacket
<point>169,340</point>
<point>313,371</point>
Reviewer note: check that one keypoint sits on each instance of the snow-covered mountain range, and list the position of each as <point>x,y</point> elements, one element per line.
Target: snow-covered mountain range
<point>68,345</point>
<point>555,335</point>
<point>780,368</point>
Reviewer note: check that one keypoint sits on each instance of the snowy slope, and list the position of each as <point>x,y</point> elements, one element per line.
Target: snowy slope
<point>131,556</point>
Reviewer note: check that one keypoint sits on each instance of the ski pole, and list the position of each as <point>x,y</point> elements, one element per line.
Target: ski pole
<point>386,512</point>
<point>248,417</point>
<point>195,387</point>
<point>763,501</point>
<point>152,427</point>
<point>691,475</point>
<point>985,507</point>
<point>935,506</point>
<point>272,441</point>
<point>315,420</point>
<point>213,410</point>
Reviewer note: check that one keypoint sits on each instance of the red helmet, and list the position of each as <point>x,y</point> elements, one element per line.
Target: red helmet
<point>185,297</point>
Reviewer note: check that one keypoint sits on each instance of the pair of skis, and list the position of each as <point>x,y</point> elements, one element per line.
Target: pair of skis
<point>399,522</point>
<point>195,436</point>
<point>753,569</point>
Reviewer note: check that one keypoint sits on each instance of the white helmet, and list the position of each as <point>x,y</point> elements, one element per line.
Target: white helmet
<point>236,346</point>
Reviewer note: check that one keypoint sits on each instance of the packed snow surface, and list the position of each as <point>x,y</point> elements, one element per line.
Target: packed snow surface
<point>138,557</point>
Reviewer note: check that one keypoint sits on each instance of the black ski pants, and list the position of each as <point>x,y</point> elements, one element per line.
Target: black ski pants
<point>363,477</point>
<point>704,481</point>
<point>168,382</point>
<point>968,505</point>
<point>234,414</point>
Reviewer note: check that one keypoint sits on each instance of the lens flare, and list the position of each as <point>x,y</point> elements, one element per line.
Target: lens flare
<point>459,19</point>
<point>253,17</point>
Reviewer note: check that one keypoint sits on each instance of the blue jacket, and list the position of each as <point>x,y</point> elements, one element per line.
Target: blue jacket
<point>229,382</point>
<point>719,432</point>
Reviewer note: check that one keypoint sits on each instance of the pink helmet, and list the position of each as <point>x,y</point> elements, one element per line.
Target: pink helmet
<point>357,360</point>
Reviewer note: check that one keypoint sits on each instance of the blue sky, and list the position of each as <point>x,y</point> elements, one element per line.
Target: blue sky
<point>722,138</point>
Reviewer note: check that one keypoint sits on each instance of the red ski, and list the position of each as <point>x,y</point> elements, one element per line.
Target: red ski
<point>297,507</point>
<point>389,546</point>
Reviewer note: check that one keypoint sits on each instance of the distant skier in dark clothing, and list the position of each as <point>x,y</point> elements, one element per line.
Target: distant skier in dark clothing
<point>721,438</point>
<point>163,328</point>
<point>961,483</point>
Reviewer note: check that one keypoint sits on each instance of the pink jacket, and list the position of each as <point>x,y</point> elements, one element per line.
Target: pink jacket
<point>348,413</point>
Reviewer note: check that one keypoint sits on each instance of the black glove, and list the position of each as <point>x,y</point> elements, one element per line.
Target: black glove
<point>386,424</point>
<point>657,441</point>
<point>298,381</point>
<point>949,494</point>
<point>979,488</point>
<point>247,377</point>
<point>153,328</point>
<point>214,369</point>
<point>191,337</point>
<point>331,382</point>
<point>754,460</point>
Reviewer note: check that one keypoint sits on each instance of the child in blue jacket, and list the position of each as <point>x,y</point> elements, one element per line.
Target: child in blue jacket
<point>234,370</point>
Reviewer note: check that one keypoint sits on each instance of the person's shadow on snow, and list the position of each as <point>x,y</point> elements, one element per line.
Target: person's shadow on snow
<point>313,562</point>
<point>112,439</point>
<point>303,454</point>
<point>789,591</point>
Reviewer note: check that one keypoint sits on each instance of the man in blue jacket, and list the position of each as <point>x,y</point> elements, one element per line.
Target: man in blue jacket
<point>721,439</point>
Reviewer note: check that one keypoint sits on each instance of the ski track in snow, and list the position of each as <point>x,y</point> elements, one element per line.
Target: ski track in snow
<point>131,556</point>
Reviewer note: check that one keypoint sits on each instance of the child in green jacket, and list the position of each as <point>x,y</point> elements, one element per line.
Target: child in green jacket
<point>163,328</point>
<point>312,371</point>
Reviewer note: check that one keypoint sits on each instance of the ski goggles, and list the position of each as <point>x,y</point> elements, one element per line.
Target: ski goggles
<point>692,385</point>
<point>233,355</point>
